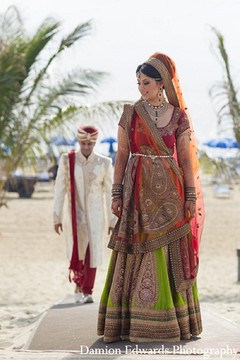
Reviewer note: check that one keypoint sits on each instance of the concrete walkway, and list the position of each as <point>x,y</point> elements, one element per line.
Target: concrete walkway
<point>68,328</point>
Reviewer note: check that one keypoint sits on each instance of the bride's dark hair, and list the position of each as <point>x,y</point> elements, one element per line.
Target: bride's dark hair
<point>149,70</point>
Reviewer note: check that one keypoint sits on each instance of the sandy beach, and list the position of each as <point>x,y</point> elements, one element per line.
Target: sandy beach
<point>33,265</point>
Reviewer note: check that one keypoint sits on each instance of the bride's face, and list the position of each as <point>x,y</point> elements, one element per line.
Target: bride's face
<point>148,87</point>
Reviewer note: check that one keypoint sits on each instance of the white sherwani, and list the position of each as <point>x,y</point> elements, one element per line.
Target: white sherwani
<point>93,182</point>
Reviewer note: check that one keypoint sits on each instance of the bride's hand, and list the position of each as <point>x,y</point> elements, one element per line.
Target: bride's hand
<point>117,207</point>
<point>190,209</point>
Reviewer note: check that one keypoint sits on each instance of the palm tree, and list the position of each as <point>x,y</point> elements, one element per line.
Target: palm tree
<point>225,94</point>
<point>33,103</point>
<point>225,97</point>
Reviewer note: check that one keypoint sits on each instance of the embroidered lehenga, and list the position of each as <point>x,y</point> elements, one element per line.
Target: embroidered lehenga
<point>150,292</point>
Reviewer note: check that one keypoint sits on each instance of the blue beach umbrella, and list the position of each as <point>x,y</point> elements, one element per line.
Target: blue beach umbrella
<point>110,140</point>
<point>224,143</point>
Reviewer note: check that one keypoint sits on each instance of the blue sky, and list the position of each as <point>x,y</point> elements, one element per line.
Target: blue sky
<point>127,32</point>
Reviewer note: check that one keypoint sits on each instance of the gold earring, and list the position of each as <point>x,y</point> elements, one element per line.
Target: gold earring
<point>160,94</point>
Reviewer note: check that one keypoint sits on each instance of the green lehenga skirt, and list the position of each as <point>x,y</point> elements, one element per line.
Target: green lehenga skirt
<point>139,302</point>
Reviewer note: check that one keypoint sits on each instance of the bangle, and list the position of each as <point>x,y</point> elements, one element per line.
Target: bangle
<point>190,193</point>
<point>117,191</point>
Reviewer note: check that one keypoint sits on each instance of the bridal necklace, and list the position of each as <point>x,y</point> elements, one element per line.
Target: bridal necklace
<point>156,112</point>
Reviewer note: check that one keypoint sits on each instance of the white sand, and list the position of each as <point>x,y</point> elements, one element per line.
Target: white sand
<point>33,266</point>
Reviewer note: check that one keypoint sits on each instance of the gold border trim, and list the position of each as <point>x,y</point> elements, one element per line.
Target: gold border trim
<point>167,81</point>
<point>150,245</point>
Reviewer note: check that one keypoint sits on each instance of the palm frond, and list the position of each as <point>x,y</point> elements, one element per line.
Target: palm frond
<point>78,33</point>
<point>78,84</point>
<point>103,115</point>
<point>225,94</point>
<point>11,25</point>
<point>45,33</point>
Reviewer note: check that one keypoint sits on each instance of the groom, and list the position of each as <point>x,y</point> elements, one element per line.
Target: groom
<point>86,178</point>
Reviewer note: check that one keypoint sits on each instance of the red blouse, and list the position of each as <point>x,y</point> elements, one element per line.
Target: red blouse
<point>176,126</point>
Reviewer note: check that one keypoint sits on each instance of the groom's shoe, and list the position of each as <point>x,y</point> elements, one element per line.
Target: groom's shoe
<point>86,299</point>
<point>78,297</point>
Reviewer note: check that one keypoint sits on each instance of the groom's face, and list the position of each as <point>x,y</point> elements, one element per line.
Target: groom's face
<point>86,147</point>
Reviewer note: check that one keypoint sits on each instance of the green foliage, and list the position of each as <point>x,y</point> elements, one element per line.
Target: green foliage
<point>33,103</point>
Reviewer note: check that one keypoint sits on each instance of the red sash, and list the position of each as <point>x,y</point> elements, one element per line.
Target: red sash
<point>74,260</point>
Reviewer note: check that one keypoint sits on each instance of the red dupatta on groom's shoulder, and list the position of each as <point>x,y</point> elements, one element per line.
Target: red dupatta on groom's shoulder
<point>74,259</point>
